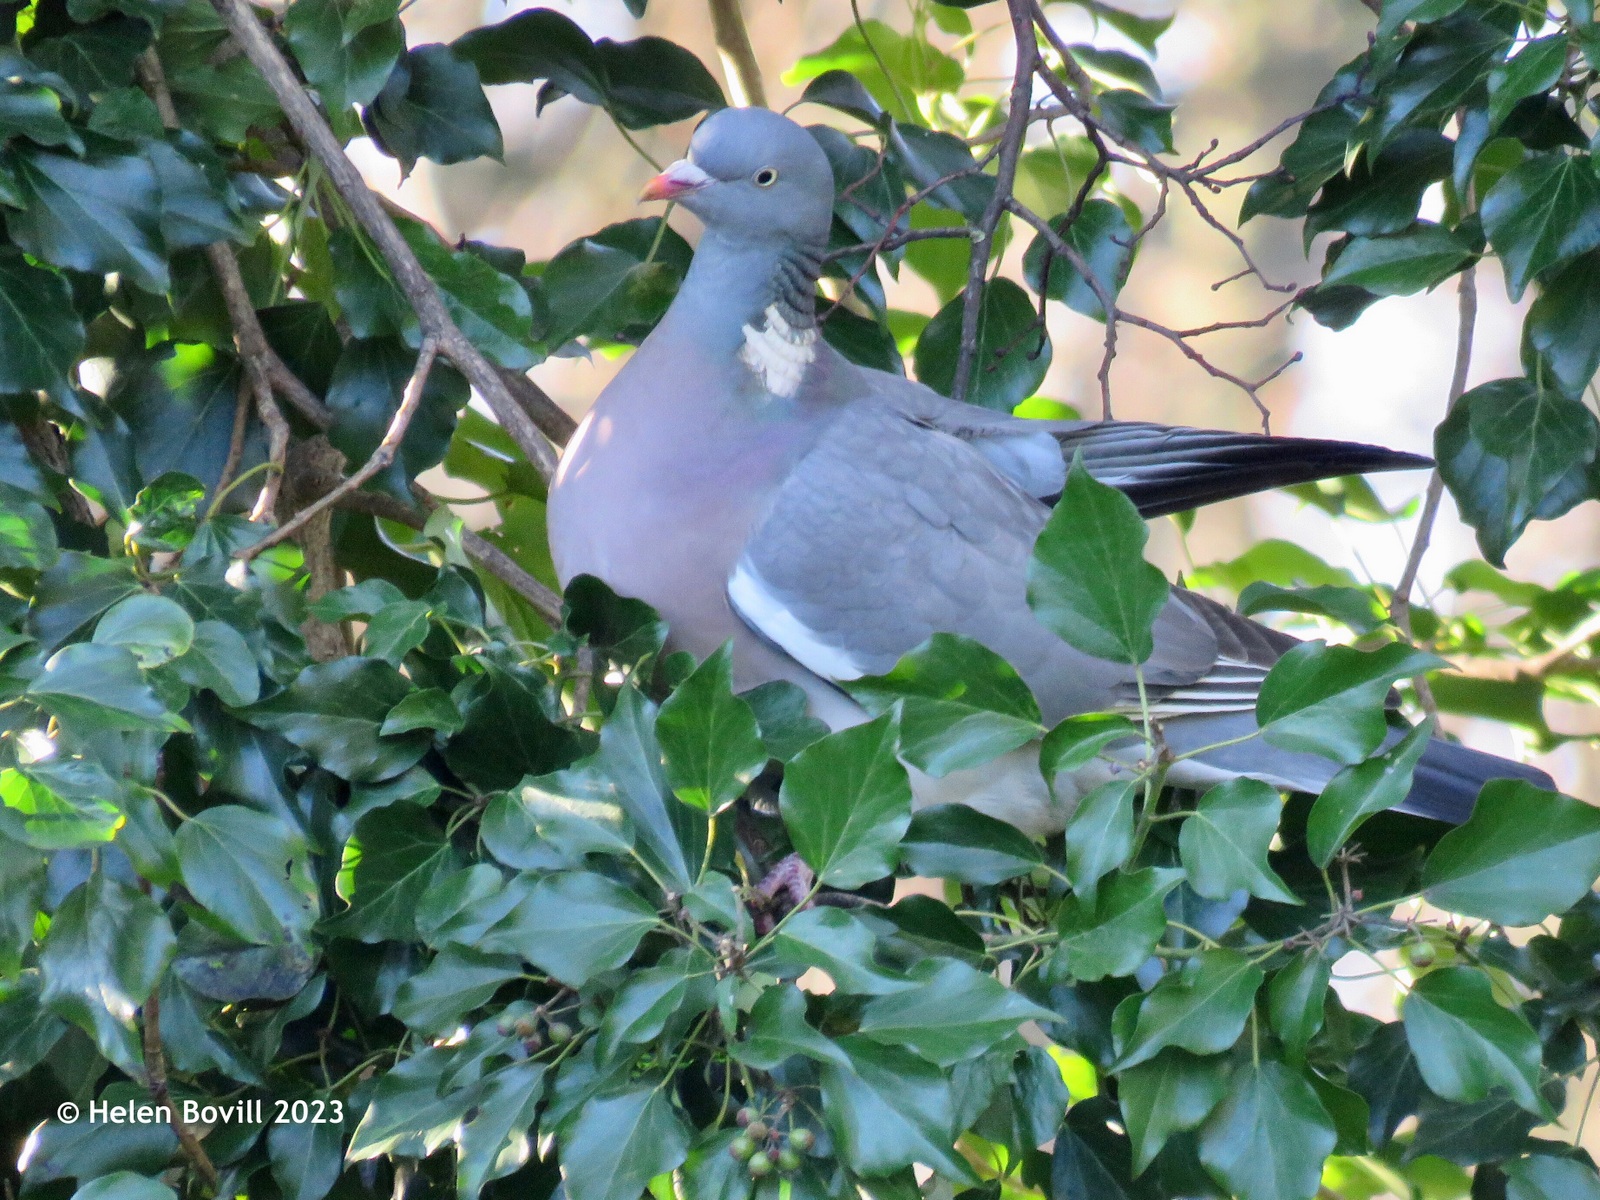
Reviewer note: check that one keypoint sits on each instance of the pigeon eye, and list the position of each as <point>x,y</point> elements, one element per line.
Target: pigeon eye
<point>765,177</point>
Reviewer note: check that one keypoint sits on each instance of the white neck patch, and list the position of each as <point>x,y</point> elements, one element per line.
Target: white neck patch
<point>778,353</point>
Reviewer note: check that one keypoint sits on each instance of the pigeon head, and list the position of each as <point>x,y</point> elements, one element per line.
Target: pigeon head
<point>752,175</point>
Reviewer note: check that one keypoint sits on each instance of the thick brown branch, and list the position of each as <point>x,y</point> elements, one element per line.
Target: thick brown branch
<point>155,1070</point>
<point>1016,129</point>
<point>738,56</point>
<point>544,412</point>
<point>420,292</point>
<point>378,461</point>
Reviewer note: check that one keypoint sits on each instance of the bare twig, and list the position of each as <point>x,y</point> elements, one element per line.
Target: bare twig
<point>738,56</point>
<point>1016,128</point>
<point>378,461</point>
<point>409,275</point>
<point>241,427</point>
<point>155,1071</point>
<point>1400,603</point>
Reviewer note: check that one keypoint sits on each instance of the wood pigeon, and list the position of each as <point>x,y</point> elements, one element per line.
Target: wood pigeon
<point>751,483</point>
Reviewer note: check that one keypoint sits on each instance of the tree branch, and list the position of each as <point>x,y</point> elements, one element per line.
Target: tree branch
<point>738,56</point>
<point>155,1070</point>
<point>420,292</point>
<point>1016,128</point>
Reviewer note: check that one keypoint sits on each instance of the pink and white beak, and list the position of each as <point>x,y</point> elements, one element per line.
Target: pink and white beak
<point>679,179</point>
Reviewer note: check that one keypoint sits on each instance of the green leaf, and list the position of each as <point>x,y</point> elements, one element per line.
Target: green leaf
<point>1013,350</point>
<point>345,47</point>
<point>40,335</point>
<point>1401,263</point>
<point>1099,835</point>
<point>367,389</point>
<point>952,841</point>
<point>608,284</point>
<point>889,64</point>
<point>495,1142</point>
<point>1224,844</point>
<point>433,107</point>
<point>1171,1093</point>
<point>678,987</point>
<point>98,214</point>
<point>1512,452</point>
<point>124,1185</point>
<point>641,83</point>
<point>1202,1009</point>
<point>1088,580</point>
<point>1542,212</point>
<point>220,660</point>
<point>783,712</point>
<point>1561,336</point>
<point>1523,854</point>
<point>1359,791</point>
<point>889,1108</point>
<point>306,1158</point>
<point>1382,193</point>
<point>430,708</point>
<point>1138,119</point>
<point>27,537</point>
<point>777,1030</point>
<point>459,907</point>
<point>107,947</point>
<point>1295,1000</point>
<point>93,688</point>
<point>837,942</point>
<point>334,712</point>
<point>1546,1177</point>
<point>620,1142</point>
<point>1397,12</point>
<point>1535,68</point>
<point>846,801</point>
<point>225,101</point>
<point>1078,741</point>
<point>1268,1138</point>
<point>406,1114</point>
<point>574,925</point>
<point>1114,933</point>
<point>250,872</point>
<point>153,629</point>
<point>554,820</point>
<point>394,632</point>
<point>1466,1044</point>
<point>95,58</point>
<point>394,856</point>
<point>34,112</point>
<point>955,1013</point>
<point>506,734</point>
<point>1328,700</point>
<point>1442,67</point>
<point>1103,238</point>
<point>457,981</point>
<point>960,704</point>
<point>63,817</point>
<point>709,737</point>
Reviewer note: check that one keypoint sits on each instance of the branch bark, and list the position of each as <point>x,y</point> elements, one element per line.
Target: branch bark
<point>737,54</point>
<point>155,1070</point>
<point>419,290</point>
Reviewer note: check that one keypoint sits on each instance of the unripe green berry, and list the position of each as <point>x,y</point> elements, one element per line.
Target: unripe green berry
<point>741,1148</point>
<point>560,1033</point>
<point>758,1131</point>
<point>759,1166</point>
<point>802,1139</point>
<point>788,1160</point>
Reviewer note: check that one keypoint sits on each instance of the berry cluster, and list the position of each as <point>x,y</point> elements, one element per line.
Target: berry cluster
<point>763,1148</point>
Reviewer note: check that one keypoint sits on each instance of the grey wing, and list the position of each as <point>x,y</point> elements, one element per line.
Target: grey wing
<point>889,531</point>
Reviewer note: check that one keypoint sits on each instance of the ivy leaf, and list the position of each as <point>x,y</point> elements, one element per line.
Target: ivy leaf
<point>1466,1044</point>
<point>960,704</point>
<point>346,47</point>
<point>1542,212</point>
<point>32,111</point>
<point>1138,119</point>
<point>99,214</point>
<point>955,1013</point>
<point>107,947</point>
<point>1078,741</point>
<point>124,1185</point>
<point>1359,791</point>
<point>1523,854</point>
<point>433,107</point>
<point>610,285</point>
<point>250,873</point>
<point>1088,580</point>
<point>709,737</point>
<point>334,712</point>
<point>846,801</point>
<point>457,981</point>
<point>620,1142</point>
<point>306,1158</point>
<point>1383,191</point>
<point>573,925</point>
<point>1116,932</point>
<point>953,841</point>
<point>1401,263</point>
<point>889,1108</point>
<point>1547,1177</point>
<point>777,1030</point>
<point>1171,1093</point>
<point>1103,238</point>
<point>1224,844</point>
<point>1535,68</point>
<point>1561,336</point>
<point>153,629</point>
<point>887,63</point>
<point>40,335</point>
<point>63,805</point>
<point>1099,835</point>
<point>92,688</point>
<point>837,942</point>
<point>678,987</point>
<point>1268,1138</point>
<point>1202,1009</point>
<point>394,856</point>
<point>494,1143</point>
<point>1295,1000</point>
<point>1328,700</point>
<point>1013,349</point>
<point>554,820</point>
<point>1512,453</point>
<point>220,660</point>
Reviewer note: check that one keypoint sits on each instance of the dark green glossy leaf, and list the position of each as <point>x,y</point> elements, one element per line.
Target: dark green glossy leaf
<point>1202,1009</point>
<point>1382,194</point>
<point>506,734</point>
<point>954,1013</point>
<point>1401,263</point>
<point>675,990</point>
<point>1295,1000</point>
<point>249,871</point>
<point>1359,791</point>
<point>63,805</point>
<point>394,856</point>
<point>889,1108</point>
<point>839,943</point>
<point>1078,741</point>
<point>458,980</point>
<point>92,688</point>
<point>709,737</point>
<point>1172,1092</point>
<point>334,712</point>
<point>1114,934</point>
<point>620,1142</point>
<point>1099,835</point>
<point>610,285</point>
<point>495,1141</point>
<point>98,214</point>
<point>1013,349</point>
<point>93,58</point>
<point>1137,119</point>
<point>1466,1044</point>
<point>153,629</point>
<point>306,1158</point>
<point>573,925</point>
<point>345,47</point>
<point>846,801</point>
<point>1328,700</point>
<point>960,704</point>
<point>1524,854</point>
<point>1224,844</point>
<point>433,106</point>
<point>124,1185</point>
<point>1442,66</point>
<point>1092,1158</point>
<point>32,111</point>
<point>1268,1138</point>
<point>1535,67</point>
<point>554,820</point>
<point>1088,580</point>
<point>953,841</point>
<point>1546,1177</point>
<point>1542,212</point>
<point>1561,336</point>
<point>1103,238</point>
<point>40,335</point>
<point>777,1030</point>
<point>889,64</point>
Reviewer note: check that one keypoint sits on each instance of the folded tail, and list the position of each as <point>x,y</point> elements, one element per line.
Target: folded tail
<point>1448,778</point>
